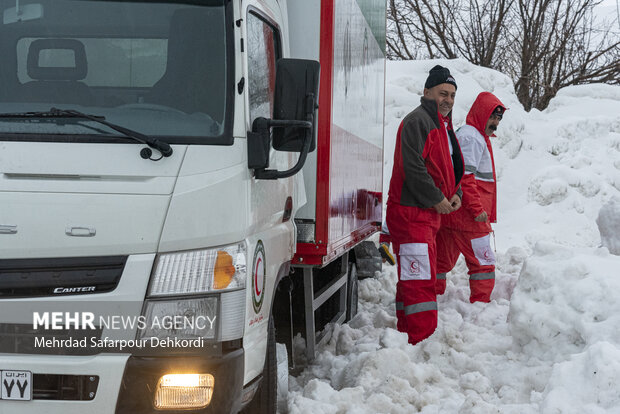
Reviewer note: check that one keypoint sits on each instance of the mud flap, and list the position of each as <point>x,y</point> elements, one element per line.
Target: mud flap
<point>367,259</point>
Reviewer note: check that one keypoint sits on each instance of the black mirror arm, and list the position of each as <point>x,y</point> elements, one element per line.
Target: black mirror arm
<point>263,174</point>
<point>264,125</point>
<point>275,174</point>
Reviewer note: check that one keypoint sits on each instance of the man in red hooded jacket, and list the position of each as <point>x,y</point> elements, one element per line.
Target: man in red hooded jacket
<point>468,230</point>
<point>428,167</point>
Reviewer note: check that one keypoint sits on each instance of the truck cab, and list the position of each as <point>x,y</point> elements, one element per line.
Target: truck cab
<point>159,166</point>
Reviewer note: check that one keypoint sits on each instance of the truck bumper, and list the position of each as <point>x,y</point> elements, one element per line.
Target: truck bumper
<point>126,384</point>
<point>107,367</point>
<point>143,373</point>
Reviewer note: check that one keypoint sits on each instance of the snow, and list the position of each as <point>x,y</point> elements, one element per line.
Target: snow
<point>549,341</point>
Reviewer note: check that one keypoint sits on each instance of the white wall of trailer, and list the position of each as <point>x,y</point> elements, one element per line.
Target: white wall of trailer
<point>358,76</point>
<point>357,80</point>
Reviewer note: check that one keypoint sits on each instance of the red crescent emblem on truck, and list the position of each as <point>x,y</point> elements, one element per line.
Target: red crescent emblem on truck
<point>256,270</point>
<point>258,277</point>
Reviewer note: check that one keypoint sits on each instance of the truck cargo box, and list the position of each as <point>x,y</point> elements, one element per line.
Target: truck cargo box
<point>343,177</point>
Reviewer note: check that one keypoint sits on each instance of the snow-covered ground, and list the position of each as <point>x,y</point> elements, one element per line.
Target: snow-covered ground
<point>549,341</point>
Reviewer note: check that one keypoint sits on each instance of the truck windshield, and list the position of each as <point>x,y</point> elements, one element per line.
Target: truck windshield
<point>159,67</point>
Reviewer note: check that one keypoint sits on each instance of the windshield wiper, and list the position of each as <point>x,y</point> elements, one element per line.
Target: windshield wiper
<point>163,147</point>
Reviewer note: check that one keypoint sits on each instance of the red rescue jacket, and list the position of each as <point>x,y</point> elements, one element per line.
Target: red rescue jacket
<point>424,172</point>
<point>479,182</point>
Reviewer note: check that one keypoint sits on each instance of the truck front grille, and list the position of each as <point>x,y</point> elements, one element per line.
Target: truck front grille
<point>23,339</point>
<point>59,276</point>
<point>64,387</point>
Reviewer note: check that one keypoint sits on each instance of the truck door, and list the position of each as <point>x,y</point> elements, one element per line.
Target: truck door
<point>264,48</point>
<point>270,221</point>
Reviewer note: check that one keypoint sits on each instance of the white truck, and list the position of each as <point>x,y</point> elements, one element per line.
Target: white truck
<point>183,185</point>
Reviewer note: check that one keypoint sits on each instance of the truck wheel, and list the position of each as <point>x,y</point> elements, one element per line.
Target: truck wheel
<point>265,399</point>
<point>282,357</point>
<point>352,292</point>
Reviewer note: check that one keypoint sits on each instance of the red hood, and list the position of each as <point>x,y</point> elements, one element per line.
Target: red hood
<point>481,110</point>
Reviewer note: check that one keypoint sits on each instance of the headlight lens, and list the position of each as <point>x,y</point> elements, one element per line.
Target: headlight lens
<point>184,391</point>
<point>182,318</point>
<point>199,271</point>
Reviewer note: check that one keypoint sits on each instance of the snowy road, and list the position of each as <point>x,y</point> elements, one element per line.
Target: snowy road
<point>549,342</point>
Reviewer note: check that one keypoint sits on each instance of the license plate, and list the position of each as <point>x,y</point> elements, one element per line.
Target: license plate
<point>16,385</point>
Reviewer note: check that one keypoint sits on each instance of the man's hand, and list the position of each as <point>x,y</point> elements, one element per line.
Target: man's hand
<point>443,207</point>
<point>455,202</point>
<point>482,217</point>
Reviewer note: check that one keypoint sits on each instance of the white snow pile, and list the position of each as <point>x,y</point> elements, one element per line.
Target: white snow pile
<point>549,341</point>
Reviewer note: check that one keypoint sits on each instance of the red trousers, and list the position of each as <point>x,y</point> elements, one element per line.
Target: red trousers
<point>479,257</point>
<point>413,231</point>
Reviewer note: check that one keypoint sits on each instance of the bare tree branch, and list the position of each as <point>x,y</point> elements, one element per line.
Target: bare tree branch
<point>543,45</point>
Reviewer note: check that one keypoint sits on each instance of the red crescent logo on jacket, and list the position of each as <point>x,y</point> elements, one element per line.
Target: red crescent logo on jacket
<point>415,267</point>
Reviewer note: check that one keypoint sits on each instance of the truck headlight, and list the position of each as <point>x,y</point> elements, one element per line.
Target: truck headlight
<point>181,318</point>
<point>219,317</point>
<point>199,271</point>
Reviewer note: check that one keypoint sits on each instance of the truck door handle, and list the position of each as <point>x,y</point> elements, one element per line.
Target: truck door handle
<point>8,229</point>
<point>81,231</point>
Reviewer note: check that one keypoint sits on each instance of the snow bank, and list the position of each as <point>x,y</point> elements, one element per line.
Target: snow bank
<point>549,340</point>
<point>587,382</point>
<point>562,302</point>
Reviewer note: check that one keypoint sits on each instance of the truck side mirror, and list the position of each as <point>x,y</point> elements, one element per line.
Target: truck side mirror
<point>294,123</point>
<point>297,89</point>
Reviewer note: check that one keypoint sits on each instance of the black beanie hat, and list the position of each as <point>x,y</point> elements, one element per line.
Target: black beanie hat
<point>437,76</point>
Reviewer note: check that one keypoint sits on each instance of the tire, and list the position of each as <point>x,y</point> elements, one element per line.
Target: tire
<point>266,397</point>
<point>352,292</point>
<point>282,357</point>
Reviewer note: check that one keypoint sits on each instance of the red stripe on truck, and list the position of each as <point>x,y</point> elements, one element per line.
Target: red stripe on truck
<point>326,57</point>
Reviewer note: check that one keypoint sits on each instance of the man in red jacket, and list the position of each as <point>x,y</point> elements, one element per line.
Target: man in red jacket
<point>468,230</point>
<point>428,167</point>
